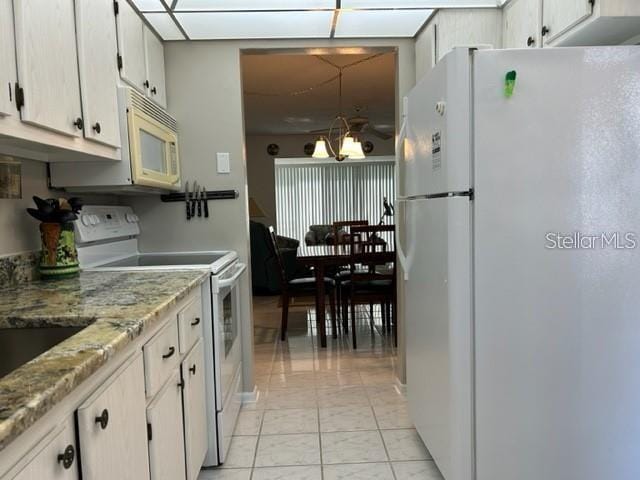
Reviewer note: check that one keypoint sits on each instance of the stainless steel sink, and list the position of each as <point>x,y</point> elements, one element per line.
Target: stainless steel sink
<point>19,345</point>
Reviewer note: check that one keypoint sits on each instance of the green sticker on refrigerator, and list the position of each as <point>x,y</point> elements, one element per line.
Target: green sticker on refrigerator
<point>510,83</point>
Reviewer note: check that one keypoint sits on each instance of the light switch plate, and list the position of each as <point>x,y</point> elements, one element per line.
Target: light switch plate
<point>224,164</point>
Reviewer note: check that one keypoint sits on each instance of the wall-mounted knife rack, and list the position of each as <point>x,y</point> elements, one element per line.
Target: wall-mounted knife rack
<point>211,195</point>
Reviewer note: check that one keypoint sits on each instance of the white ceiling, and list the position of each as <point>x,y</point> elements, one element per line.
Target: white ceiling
<point>263,19</point>
<point>295,93</point>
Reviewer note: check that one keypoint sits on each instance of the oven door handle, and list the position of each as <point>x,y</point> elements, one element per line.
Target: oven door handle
<point>227,282</point>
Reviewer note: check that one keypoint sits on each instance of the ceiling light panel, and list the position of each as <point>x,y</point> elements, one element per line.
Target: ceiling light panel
<point>380,23</point>
<point>248,25</point>
<point>165,26</point>
<point>149,5</point>
<point>428,4</point>
<point>248,5</point>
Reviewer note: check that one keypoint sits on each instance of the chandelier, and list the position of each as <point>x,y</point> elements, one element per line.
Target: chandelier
<point>346,144</point>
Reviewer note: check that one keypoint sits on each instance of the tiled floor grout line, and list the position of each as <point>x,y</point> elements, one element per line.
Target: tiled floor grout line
<point>255,453</point>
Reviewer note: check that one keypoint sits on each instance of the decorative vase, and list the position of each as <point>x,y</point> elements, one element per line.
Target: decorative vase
<point>59,257</point>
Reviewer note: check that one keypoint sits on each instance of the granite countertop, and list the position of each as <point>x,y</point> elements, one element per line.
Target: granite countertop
<point>115,307</point>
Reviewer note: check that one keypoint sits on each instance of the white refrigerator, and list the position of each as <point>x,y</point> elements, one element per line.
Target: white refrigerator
<point>522,337</point>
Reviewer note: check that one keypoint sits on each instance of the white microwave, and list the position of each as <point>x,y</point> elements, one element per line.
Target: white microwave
<point>150,159</point>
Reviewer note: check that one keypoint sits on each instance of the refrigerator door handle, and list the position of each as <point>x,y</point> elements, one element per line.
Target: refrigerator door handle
<point>402,135</point>
<point>405,256</point>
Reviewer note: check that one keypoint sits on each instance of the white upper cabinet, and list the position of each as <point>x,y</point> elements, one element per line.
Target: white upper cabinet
<point>7,59</point>
<point>467,28</point>
<point>561,15</point>
<point>426,54</point>
<point>47,61</point>
<point>131,46</point>
<point>112,427</point>
<point>155,68</point>
<point>521,22</point>
<point>97,51</point>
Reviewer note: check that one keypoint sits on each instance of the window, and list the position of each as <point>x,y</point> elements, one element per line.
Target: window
<point>311,192</point>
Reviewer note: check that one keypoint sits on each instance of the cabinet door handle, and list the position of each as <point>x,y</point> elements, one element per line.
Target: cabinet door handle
<point>79,123</point>
<point>531,42</point>
<point>97,128</point>
<point>146,84</point>
<point>192,369</point>
<point>545,30</point>
<point>154,90</point>
<point>67,457</point>
<point>195,322</point>
<point>170,353</point>
<point>103,419</point>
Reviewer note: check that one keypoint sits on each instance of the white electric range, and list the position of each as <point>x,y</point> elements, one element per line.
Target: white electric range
<point>107,240</point>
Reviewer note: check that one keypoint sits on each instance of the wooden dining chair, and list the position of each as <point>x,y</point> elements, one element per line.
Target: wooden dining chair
<point>373,276</point>
<point>342,230</point>
<point>341,235</point>
<point>299,287</point>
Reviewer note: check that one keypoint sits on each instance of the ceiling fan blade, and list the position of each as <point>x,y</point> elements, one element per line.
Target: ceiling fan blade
<point>322,131</point>
<point>377,133</point>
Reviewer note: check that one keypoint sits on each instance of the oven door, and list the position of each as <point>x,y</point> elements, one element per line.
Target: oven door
<point>226,329</point>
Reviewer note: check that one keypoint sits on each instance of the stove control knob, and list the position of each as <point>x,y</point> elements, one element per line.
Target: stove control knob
<point>136,218</point>
<point>95,220</point>
<point>86,220</point>
<point>128,217</point>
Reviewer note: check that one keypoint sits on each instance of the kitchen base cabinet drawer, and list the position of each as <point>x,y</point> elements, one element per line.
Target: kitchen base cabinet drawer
<point>56,459</point>
<point>166,432</point>
<point>112,430</point>
<point>161,358</point>
<point>190,324</point>
<point>195,410</point>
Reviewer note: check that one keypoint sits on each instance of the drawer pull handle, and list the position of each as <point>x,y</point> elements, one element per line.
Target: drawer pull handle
<point>195,322</point>
<point>67,457</point>
<point>103,419</point>
<point>193,370</point>
<point>172,350</point>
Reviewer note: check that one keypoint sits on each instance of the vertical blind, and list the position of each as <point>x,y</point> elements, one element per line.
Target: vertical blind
<point>309,192</point>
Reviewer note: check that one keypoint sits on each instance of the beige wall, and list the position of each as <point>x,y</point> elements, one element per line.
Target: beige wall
<point>260,165</point>
<point>19,232</point>
<point>205,95</point>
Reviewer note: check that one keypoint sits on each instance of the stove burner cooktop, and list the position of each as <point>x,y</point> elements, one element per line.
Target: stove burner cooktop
<point>166,260</point>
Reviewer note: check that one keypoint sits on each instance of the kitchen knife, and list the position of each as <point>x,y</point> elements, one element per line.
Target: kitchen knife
<point>206,203</point>
<point>186,198</point>
<point>200,198</point>
<point>193,199</point>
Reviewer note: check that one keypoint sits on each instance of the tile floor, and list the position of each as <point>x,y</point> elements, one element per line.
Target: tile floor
<point>329,414</point>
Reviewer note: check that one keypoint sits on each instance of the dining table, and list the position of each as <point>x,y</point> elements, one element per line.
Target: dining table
<point>319,257</point>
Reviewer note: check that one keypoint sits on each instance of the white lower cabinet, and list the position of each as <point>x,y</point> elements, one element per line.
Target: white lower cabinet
<point>55,458</point>
<point>166,432</point>
<point>112,427</point>
<point>195,410</point>
<point>115,429</point>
